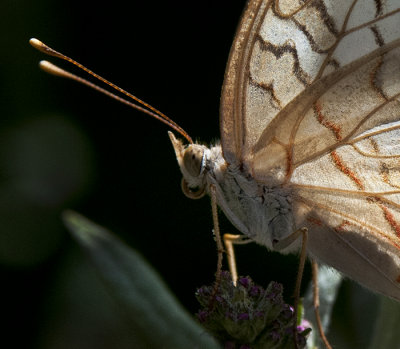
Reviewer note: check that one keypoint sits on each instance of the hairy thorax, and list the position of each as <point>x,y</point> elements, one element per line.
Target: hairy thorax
<point>264,213</point>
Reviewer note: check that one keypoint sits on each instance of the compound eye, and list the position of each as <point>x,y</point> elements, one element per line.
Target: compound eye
<point>190,193</point>
<point>193,160</point>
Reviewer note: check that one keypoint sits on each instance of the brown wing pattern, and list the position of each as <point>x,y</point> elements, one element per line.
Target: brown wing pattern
<point>312,102</point>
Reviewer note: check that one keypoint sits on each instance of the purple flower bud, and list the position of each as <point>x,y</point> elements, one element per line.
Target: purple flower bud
<point>289,330</point>
<point>254,291</point>
<point>225,274</point>
<point>244,282</point>
<point>243,316</point>
<point>287,312</point>
<point>259,314</point>
<point>219,299</point>
<point>303,326</point>
<point>300,329</point>
<point>202,315</point>
<point>275,335</point>
<point>248,313</point>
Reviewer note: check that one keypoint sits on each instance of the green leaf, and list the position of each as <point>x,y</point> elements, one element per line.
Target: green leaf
<point>156,318</point>
<point>386,333</point>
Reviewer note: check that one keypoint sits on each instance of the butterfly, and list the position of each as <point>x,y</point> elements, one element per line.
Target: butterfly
<point>310,135</point>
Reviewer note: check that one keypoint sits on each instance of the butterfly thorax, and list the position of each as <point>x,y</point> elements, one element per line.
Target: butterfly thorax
<point>261,212</point>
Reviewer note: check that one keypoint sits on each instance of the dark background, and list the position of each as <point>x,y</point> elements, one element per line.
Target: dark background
<point>65,146</point>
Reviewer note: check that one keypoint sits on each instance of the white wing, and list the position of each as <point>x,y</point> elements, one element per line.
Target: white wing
<point>349,188</point>
<point>280,64</point>
<point>311,101</point>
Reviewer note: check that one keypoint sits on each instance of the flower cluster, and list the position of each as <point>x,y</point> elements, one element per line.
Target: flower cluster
<point>248,316</point>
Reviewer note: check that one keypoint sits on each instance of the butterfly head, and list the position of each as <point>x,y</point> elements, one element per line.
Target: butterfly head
<point>191,160</point>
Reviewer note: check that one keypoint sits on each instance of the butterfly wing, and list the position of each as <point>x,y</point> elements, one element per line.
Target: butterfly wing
<point>349,191</point>
<point>236,80</point>
<point>281,58</point>
<point>313,104</point>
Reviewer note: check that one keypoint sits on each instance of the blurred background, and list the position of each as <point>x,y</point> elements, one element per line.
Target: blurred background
<point>65,146</point>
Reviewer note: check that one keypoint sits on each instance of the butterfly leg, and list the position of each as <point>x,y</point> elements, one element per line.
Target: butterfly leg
<point>279,245</point>
<point>217,235</point>
<point>229,241</point>
<point>316,303</point>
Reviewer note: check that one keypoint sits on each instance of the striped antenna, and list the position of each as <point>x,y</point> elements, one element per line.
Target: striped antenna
<point>139,105</point>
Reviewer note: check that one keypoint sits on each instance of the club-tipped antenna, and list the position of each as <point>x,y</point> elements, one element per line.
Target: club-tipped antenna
<point>143,107</point>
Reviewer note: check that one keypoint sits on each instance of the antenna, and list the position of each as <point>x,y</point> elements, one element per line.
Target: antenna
<point>139,105</point>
